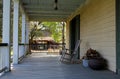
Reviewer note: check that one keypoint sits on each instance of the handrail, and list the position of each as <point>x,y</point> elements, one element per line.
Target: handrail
<point>20,58</point>
<point>45,44</point>
<point>31,44</point>
<point>23,44</point>
<point>6,44</point>
<point>3,44</point>
<point>3,69</point>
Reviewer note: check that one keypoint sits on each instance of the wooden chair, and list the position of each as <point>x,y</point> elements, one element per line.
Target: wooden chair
<point>69,57</point>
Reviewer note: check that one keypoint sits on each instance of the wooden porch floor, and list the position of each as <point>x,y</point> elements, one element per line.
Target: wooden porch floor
<point>49,67</point>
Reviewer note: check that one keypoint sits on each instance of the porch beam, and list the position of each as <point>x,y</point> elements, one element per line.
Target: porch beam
<point>49,12</point>
<point>71,7</point>
<point>15,31</point>
<point>6,30</point>
<point>50,15</point>
<point>46,16</point>
<point>47,9</point>
<point>60,19</point>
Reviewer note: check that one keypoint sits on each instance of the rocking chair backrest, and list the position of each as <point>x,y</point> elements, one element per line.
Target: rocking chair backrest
<point>76,46</point>
<point>69,57</point>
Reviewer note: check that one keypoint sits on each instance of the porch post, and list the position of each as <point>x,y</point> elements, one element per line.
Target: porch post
<point>63,37</point>
<point>15,32</point>
<point>23,31</point>
<point>27,35</point>
<point>6,30</point>
<point>27,32</point>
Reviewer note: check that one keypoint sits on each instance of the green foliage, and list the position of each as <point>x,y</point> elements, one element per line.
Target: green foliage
<point>35,30</point>
<point>55,28</point>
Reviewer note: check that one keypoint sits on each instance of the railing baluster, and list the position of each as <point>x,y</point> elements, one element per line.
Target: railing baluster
<point>3,55</point>
<point>0,60</point>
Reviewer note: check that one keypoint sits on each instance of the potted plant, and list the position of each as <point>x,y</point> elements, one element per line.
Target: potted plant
<point>85,61</point>
<point>94,60</point>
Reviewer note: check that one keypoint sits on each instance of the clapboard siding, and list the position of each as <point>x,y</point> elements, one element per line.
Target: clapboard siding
<point>67,35</point>
<point>97,30</point>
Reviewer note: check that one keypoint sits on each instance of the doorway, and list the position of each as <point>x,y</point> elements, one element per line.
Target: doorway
<point>118,36</point>
<point>74,34</point>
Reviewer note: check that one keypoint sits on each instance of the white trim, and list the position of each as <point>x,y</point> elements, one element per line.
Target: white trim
<point>15,32</point>
<point>23,33</point>
<point>6,30</point>
<point>27,35</point>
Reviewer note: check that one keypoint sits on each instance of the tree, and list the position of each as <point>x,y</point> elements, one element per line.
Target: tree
<point>55,28</point>
<point>35,30</point>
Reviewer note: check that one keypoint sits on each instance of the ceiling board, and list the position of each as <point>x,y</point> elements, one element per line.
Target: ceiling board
<point>44,9</point>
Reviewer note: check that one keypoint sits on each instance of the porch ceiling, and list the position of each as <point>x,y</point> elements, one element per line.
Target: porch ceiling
<point>43,10</point>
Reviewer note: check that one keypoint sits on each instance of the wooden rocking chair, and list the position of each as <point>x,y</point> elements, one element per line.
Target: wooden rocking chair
<point>69,57</point>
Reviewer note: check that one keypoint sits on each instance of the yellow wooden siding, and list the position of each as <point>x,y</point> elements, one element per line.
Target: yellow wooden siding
<point>97,29</point>
<point>67,35</point>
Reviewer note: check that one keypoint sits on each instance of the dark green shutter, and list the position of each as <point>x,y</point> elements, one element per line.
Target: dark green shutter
<point>118,36</point>
<point>74,33</point>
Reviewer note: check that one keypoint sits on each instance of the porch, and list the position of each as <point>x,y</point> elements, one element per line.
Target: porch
<point>36,66</point>
<point>95,22</point>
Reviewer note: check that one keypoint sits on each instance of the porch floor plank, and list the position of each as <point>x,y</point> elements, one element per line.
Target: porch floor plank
<point>49,67</point>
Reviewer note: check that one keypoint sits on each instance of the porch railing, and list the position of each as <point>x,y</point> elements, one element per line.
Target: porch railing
<point>41,46</point>
<point>3,57</point>
<point>6,58</point>
<point>23,48</point>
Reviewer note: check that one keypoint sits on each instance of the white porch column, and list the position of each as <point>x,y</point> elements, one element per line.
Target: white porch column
<point>27,32</point>
<point>23,31</point>
<point>6,31</point>
<point>23,27</point>
<point>15,31</point>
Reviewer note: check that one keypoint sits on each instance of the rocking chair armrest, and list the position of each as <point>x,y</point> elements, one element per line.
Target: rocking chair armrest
<point>68,53</point>
<point>69,50</point>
